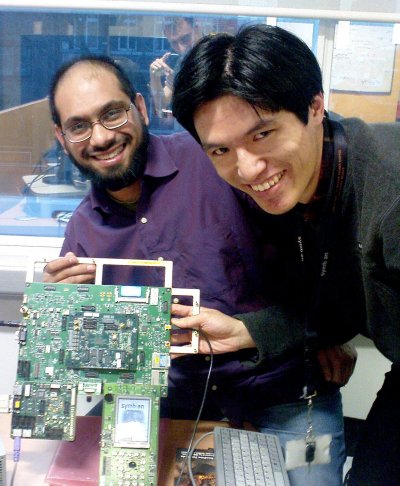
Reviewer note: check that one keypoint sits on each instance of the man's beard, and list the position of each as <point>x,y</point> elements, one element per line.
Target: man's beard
<point>118,178</point>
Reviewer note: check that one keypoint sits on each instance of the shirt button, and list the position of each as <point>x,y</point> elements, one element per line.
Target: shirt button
<point>214,387</point>
<point>207,358</point>
<point>143,220</point>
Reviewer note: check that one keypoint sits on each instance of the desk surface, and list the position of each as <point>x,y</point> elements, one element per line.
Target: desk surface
<point>31,215</point>
<point>37,455</point>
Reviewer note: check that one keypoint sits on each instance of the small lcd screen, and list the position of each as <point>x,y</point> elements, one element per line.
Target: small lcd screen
<point>132,421</point>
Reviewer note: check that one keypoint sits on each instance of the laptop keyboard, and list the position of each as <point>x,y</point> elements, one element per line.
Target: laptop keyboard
<point>247,458</point>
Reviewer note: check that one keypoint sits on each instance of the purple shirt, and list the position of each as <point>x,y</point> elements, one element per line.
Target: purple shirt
<point>187,214</point>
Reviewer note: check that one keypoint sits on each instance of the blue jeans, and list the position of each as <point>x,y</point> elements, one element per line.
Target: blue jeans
<point>289,421</point>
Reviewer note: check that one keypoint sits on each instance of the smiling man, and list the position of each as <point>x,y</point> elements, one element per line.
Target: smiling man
<point>111,150</point>
<point>255,103</point>
<point>273,157</point>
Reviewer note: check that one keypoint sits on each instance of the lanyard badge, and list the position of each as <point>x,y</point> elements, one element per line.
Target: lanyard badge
<point>312,449</point>
<point>310,438</point>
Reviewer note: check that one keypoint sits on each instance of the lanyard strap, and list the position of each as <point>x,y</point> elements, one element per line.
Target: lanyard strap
<point>329,225</point>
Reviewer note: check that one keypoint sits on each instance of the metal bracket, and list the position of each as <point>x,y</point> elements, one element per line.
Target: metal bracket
<point>193,346</point>
<point>101,262</point>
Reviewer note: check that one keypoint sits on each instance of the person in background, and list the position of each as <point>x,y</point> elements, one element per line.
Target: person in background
<point>254,101</point>
<point>182,33</point>
<point>159,197</point>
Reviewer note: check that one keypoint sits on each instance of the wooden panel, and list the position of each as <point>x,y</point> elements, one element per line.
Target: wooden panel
<point>25,133</point>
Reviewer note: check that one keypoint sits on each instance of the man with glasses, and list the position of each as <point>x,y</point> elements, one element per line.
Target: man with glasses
<point>182,33</point>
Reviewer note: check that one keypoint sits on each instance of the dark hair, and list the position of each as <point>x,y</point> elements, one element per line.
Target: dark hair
<point>266,66</point>
<point>174,22</point>
<point>103,62</point>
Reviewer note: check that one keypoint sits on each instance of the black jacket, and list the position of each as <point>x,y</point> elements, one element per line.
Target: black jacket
<point>362,291</point>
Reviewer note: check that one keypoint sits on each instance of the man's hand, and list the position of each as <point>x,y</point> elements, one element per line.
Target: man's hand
<point>161,94</point>
<point>67,269</point>
<point>338,362</point>
<point>226,334</point>
<point>160,66</point>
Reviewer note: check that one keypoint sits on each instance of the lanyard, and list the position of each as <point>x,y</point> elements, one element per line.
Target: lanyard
<point>329,225</point>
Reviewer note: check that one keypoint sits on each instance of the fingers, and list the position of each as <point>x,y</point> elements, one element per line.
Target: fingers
<point>203,348</point>
<point>181,310</point>
<point>337,363</point>
<point>159,66</point>
<point>350,350</point>
<point>68,270</point>
<point>349,360</point>
<point>168,71</point>
<point>325,365</point>
<point>61,263</point>
<point>80,278</point>
<point>179,338</point>
<point>338,367</point>
<point>185,318</point>
<point>192,322</point>
<point>184,337</point>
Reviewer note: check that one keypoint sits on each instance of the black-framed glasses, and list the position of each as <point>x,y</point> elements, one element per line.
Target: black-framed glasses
<point>111,119</point>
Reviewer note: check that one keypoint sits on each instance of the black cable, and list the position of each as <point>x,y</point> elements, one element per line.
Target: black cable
<point>13,474</point>
<point>184,461</point>
<point>10,324</point>
<point>28,186</point>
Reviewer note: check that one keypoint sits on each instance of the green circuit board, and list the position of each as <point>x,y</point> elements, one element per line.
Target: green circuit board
<point>95,340</point>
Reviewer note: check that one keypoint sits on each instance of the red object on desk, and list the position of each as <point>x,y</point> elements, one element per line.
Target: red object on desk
<point>77,463</point>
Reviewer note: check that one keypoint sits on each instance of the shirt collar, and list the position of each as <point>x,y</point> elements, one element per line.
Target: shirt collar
<point>159,161</point>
